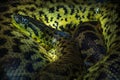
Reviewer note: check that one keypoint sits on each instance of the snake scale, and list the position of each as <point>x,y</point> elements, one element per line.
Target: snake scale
<point>59,40</point>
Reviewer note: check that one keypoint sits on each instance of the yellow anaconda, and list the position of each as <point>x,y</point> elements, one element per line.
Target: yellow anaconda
<point>31,53</point>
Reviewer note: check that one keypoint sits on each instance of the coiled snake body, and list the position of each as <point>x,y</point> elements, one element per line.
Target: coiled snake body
<point>65,41</point>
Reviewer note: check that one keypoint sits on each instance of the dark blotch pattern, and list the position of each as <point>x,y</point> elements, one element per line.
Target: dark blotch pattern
<point>101,49</point>
<point>58,16</point>
<point>17,41</point>
<point>115,67</point>
<point>94,23</point>
<point>46,18</point>
<point>2,41</point>
<point>15,4</point>
<point>8,32</point>
<point>35,47</point>
<point>6,23</point>
<point>14,62</point>
<point>28,55</point>
<point>39,59</point>
<point>112,57</point>
<point>72,9</point>
<point>102,76</point>
<point>0,27</point>
<point>29,67</point>
<point>77,16</point>
<point>51,19</point>
<point>41,13</point>
<point>118,33</point>
<point>32,9</point>
<point>51,10</point>
<point>16,11</point>
<point>7,15</point>
<point>16,48</point>
<point>3,8</point>
<point>1,19</point>
<point>3,52</point>
<point>64,8</point>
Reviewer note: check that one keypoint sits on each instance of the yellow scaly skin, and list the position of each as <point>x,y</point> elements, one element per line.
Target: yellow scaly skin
<point>106,14</point>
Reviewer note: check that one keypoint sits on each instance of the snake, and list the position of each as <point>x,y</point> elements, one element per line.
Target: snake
<point>86,49</point>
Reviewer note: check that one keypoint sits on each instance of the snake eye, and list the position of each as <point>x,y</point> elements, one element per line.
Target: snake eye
<point>24,20</point>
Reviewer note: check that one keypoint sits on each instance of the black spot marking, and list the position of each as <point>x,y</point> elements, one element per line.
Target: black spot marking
<point>62,28</point>
<point>46,18</point>
<point>58,16</point>
<point>7,15</point>
<point>83,56</point>
<point>72,9</point>
<point>118,33</point>
<point>105,17</point>
<point>84,9</point>
<point>16,48</point>
<point>51,19</point>
<point>56,24</point>
<point>17,41</point>
<point>51,10</point>
<point>115,42</point>
<point>8,32</point>
<point>3,52</point>
<point>0,27</point>
<point>80,8</point>
<point>66,19</point>
<point>88,16</point>
<point>77,16</point>
<point>15,4</point>
<point>27,55</point>
<point>6,23</point>
<point>89,3</point>
<point>14,62</point>
<point>39,59</point>
<point>68,26</point>
<point>29,67</point>
<point>83,16</point>
<point>102,76</point>
<point>30,3</point>
<point>101,49</point>
<point>61,19</point>
<point>1,19</point>
<point>109,32</point>
<point>64,8</point>
<point>16,11</point>
<point>32,9</point>
<point>4,8</point>
<point>41,13</point>
<point>27,8</point>
<point>91,9</point>
<point>76,2</point>
<point>112,57</point>
<point>35,47</point>
<point>114,67</point>
<point>93,22</point>
<point>50,1</point>
<point>2,41</point>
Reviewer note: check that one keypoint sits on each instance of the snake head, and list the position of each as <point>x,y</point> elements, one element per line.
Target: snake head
<point>20,19</point>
